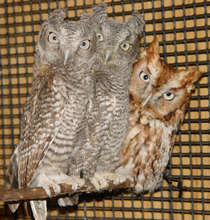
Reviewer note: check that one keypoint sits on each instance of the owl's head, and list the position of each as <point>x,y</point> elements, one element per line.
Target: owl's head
<point>160,88</point>
<point>63,41</point>
<point>117,42</point>
<point>171,96</point>
<point>145,72</point>
<point>48,47</point>
<point>81,43</point>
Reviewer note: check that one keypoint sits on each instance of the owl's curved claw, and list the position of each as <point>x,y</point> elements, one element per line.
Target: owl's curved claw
<point>101,179</point>
<point>68,201</point>
<point>56,188</point>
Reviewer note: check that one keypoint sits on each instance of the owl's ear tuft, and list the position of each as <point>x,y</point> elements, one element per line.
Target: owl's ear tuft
<point>155,44</point>
<point>136,23</point>
<point>190,78</point>
<point>151,53</point>
<point>99,13</point>
<point>85,17</point>
<point>153,48</point>
<point>196,75</point>
<point>57,16</point>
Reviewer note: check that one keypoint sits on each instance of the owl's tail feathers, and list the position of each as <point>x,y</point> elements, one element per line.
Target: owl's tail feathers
<point>39,209</point>
<point>13,207</point>
<point>11,179</point>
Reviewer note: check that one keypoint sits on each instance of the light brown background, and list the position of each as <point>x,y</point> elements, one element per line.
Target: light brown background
<point>183,29</point>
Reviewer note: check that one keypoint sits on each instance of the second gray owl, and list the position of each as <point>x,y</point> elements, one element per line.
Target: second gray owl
<point>117,49</point>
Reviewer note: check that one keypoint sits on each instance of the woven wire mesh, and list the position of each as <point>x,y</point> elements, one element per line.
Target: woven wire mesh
<point>183,29</point>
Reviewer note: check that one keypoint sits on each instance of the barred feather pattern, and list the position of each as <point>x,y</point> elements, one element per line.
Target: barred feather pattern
<point>54,125</point>
<point>112,108</point>
<point>117,48</point>
<point>57,109</point>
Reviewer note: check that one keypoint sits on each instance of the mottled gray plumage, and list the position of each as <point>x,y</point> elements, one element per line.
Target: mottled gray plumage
<point>76,118</point>
<point>56,111</point>
<point>117,48</point>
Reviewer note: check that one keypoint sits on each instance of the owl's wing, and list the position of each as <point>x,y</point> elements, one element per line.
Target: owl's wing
<point>40,123</point>
<point>11,177</point>
<point>29,108</point>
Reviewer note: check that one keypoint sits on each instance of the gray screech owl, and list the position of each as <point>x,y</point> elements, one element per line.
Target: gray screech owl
<point>117,48</point>
<point>56,111</point>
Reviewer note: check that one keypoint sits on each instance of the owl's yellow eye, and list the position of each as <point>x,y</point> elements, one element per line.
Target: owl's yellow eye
<point>168,96</point>
<point>99,37</point>
<point>52,37</point>
<point>85,44</point>
<point>125,46</point>
<point>143,76</point>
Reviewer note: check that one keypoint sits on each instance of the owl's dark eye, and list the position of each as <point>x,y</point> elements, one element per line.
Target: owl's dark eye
<point>168,96</point>
<point>143,76</point>
<point>99,37</point>
<point>85,44</point>
<point>53,38</point>
<point>125,46</point>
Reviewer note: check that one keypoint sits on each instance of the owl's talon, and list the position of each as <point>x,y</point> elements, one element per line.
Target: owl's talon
<point>102,179</point>
<point>47,190</point>
<point>56,189</point>
<point>68,201</point>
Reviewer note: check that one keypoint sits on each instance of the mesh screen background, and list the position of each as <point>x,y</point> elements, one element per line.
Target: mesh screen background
<point>183,28</point>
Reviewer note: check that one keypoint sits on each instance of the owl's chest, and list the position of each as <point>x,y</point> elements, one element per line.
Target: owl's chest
<point>154,146</point>
<point>111,101</point>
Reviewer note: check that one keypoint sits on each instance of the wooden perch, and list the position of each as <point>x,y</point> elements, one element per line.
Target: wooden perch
<point>14,195</point>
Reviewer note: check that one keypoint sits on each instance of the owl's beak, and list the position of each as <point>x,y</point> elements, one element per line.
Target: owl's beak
<point>107,56</point>
<point>147,100</point>
<point>66,56</point>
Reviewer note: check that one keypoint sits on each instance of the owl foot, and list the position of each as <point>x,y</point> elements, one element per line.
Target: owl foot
<point>102,180</point>
<point>52,179</point>
<point>74,181</point>
<point>56,188</point>
<point>68,201</point>
<point>46,182</point>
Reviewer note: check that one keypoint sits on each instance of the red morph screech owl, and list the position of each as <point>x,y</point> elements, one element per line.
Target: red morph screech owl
<point>160,95</point>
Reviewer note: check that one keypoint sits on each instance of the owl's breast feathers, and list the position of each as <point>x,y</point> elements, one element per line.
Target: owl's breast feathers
<point>55,103</point>
<point>147,149</point>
